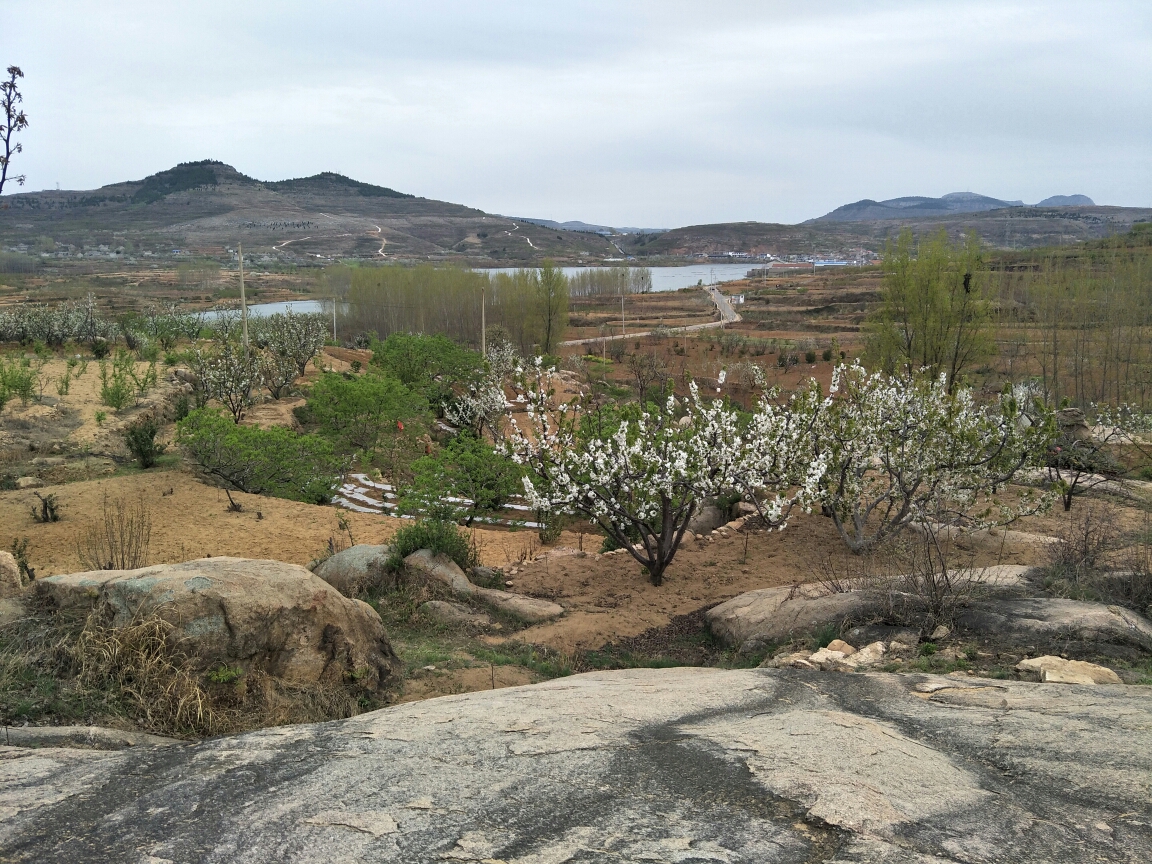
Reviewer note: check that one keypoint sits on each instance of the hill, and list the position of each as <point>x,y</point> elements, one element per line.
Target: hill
<point>208,207</point>
<point>914,207</point>
<point>1016,227</point>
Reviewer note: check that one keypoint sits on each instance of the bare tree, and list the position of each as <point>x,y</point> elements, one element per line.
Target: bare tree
<point>647,369</point>
<point>14,121</point>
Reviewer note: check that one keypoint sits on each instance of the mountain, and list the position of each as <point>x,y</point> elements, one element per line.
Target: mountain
<point>207,208</point>
<point>914,207</point>
<point>593,229</point>
<point>1003,228</point>
<point>1067,201</point>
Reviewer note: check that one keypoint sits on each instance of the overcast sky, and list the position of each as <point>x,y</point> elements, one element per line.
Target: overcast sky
<point>652,114</point>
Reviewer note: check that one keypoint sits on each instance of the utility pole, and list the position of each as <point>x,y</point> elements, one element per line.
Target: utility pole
<point>243,299</point>
<point>333,317</point>
<point>483,321</point>
<point>623,332</point>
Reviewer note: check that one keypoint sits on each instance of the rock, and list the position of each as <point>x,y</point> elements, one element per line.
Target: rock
<point>775,615</point>
<point>940,632</point>
<point>707,518</point>
<point>442,431</point>
<point>1071,423</point>
<point>357,570</point>
<point>11,583</point>
<point>682,764</point>
<point>796,660</point>
<point>841,646</point>
<point>867,656</point>
<point>455,614</point>
<point>487,574</point>
<point>1028,619</point>
<point>735,525</point>
<point>263,616</point>
<point>688,537</point>
<point>744,510</point>
<point>11,610</point>
<point>29,483</point>
<point>828,660</point>
<point>86,737</point>
<point>868,633</point>
<point>685,421</point>
<point>443,569</point>
<point>528,609</point>
<point>1057,670</point>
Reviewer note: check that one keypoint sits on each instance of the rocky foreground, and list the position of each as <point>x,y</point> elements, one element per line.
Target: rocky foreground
<point>657,765</point>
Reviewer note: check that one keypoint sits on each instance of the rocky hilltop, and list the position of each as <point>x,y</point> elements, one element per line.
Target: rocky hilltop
<point>657,765</point>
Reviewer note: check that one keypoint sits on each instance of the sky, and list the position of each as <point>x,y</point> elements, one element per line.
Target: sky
<point>625,113</point>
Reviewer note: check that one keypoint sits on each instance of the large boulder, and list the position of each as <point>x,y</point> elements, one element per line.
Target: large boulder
<point>264,616</point>
<point>357,570</point>
<point>1040,618</point>
<point>707,518</point>
<point>673,765</point>
<point>442,569</point>
<point>771,616</point>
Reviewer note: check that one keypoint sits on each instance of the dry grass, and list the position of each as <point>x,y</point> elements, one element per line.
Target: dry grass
<point>137,662</point>
<point>58,667</point>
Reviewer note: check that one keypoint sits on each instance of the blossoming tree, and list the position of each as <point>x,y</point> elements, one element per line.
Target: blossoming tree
<point>640,472</point>
<point>903,450</point>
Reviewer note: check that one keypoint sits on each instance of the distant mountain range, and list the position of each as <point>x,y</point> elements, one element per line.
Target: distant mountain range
<point>586,227</point>
<point>916,206</point>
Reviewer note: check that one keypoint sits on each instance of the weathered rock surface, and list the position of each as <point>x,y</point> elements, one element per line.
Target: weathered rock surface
<point>1044,618</point>
<point>774,615</point>
<point>444,570</point>
<point>11,585</point>
<point>355,570</point>
<point>83,737</point>
<point>1057,670</point>
<point>455,613</point>
<point>263,616</point>
<point>681,765</point>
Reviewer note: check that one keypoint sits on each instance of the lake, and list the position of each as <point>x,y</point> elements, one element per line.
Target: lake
<point>663,279</point>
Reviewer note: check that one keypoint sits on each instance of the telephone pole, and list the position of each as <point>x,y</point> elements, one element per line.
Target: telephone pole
<point>243,300</point>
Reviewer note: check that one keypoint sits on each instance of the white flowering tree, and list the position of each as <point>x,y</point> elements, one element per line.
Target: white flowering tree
<point>903,450</point>
<point>483,405</point>
<point>228,374</point>
<point>636,471</point>
<point>299,337</point>
<point>776,466</point>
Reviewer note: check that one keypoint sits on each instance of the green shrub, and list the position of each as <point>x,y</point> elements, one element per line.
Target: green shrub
<point>468,468</point>
<point>440,535</point>
<point>17,378</point>
<point>827,355</point>
<point>140,438</point>
<point>100,348</point>
<point>809,356</point>
<point>273,461</point>
<point>427,364</point>
<point>357,412</point>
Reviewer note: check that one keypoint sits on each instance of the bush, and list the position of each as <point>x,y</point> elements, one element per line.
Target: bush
<point>100,348</point>
<point>117,387</point>
<point>427,364</point>
<point>809,356</point>
<point>140,438</point>
<point>827,355</point>
<point>274,461</point>
<point>119,540</point>
<point>48,510</point>
<point>358,411</point>
<point>479,479</point>
<point>441,536</point>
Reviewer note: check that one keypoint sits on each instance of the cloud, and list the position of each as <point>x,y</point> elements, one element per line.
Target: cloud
<point>650,113</point>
